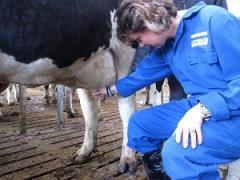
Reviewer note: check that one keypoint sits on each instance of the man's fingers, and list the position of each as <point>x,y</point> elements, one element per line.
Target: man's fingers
<point>178,133</point>
<point>193,136</point>
<point>174,132</point>
<point>199,135</point>
<point>185,138</point>
<point>95,92</point>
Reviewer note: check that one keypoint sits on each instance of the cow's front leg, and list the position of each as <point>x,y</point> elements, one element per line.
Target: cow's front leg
<point>12,96</point>
<point>234,170</point>
<point>127,160</point>
<point>90,109</point>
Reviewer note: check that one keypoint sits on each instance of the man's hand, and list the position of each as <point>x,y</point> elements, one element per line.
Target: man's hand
<point>103,92</point>
<point>190,126</point>
<point>99,93</point>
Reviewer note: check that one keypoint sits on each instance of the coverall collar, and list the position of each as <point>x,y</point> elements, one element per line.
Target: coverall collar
<point>194,9</point>
<point>190,12</point>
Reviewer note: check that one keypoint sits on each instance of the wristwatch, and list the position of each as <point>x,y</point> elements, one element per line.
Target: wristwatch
<point>110,93</point>
<point>206,113</point>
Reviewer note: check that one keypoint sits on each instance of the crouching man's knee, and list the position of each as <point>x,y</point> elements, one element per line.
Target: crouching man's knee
<point>187,163</point>
<point>170,157</point>
<point>177,160</point>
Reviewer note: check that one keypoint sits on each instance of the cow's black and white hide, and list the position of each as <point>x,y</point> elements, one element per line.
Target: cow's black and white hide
<point>66,42</point>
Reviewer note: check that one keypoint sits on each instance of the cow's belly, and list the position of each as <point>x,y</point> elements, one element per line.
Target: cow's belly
<point>39,72</point>
<point>97,71</point>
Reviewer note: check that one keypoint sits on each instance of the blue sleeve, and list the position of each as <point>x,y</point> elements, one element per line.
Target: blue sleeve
<point>225,34</point>
<point>152,69</point>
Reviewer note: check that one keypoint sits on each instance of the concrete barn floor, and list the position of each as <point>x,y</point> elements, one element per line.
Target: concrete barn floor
<point>45,151</point>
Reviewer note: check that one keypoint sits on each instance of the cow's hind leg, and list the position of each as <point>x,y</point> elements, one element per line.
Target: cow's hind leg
<point>69,105</point>
<point>127,160</point>
<point>90,111</point>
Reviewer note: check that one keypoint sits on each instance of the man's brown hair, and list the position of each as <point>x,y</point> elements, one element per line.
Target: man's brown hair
<point>136,15</point>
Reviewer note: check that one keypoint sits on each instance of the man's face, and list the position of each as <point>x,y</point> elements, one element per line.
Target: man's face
<point>148,37</point>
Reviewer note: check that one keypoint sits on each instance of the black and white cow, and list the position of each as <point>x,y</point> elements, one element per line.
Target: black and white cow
<point>66,42</point>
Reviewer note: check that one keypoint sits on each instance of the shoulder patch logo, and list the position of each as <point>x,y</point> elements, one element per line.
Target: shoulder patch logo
<point>199,39</point>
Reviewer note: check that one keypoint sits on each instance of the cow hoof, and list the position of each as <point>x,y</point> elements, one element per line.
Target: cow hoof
<point>47,101</point>
<point>14,114</point>
<point>11,104</point>
<point>130,167</point>
<point>100,118</point>
<point>123,167</point>
<point>53,101</point>
<point>80,159</point>
<point>72,114</point>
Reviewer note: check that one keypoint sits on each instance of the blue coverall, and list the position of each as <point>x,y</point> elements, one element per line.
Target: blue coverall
<point>205,58</point>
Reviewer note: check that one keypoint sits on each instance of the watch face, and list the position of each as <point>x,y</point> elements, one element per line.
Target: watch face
<point>206,113</point>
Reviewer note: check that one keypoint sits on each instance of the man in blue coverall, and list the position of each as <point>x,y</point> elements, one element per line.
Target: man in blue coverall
<point>176,91</point>
<point>201,48</point>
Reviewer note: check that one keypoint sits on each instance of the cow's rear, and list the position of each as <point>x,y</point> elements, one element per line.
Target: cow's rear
<point>67,42</point>
<point>41,41</point>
